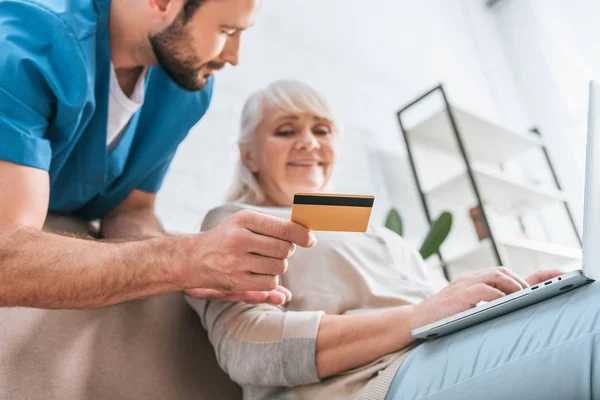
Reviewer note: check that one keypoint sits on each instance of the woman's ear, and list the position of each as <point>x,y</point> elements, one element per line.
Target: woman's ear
<point>247,159</point>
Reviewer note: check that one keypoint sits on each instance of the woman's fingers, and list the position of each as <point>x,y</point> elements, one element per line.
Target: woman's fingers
<point>541,276</point>
<point>523,282</point>
<point>471,288</point>
<point>481,292</point>
<point>498,278</point>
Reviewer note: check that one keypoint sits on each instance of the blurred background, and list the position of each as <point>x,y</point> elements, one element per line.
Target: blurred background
<point>505,66</point>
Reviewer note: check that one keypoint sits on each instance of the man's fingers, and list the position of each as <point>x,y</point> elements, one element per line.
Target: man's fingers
<point>251,297</point>
<point>285,291</point>
<point>208,294</point>
<point>279,228</point>
<point>275,297</point>
<point>280,295</point>
<point>258,282</point>
<point>265,265</point>
<point>270,247</point>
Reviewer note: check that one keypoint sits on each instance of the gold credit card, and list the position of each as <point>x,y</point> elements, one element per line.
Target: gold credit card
<point>332,212</point>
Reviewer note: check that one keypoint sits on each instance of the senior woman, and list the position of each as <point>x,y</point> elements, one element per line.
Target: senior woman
<point>345,333</point>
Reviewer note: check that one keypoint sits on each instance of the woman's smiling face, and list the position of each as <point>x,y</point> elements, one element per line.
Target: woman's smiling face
<point>291,153</point>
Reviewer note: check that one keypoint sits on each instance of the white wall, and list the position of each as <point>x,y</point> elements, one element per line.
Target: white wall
<point>369,58</point>
<point>551,46</point>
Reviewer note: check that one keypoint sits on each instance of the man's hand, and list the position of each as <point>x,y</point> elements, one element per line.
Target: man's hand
<point>245,252</point>
<point>278,296</point>
<point>134,217</point>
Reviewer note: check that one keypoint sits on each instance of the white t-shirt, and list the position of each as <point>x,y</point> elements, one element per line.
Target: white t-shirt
<point>121,108</point>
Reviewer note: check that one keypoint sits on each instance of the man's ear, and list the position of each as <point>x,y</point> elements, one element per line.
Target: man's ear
<point>167,9</point>
<point>247,159</point>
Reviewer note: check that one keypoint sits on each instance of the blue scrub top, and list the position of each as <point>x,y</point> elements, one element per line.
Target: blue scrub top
<point>54,84</point>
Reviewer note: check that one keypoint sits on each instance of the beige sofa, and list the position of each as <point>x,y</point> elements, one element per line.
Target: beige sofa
<point>148,349</point>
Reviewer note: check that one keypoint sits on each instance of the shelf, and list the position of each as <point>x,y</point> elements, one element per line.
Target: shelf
<point>523,255</point>
<point>441,169</point>
<point>484,141</point>
<point>507,194</point>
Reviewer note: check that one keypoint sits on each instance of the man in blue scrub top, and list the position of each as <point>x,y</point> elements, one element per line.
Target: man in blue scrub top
<point>95,98</point>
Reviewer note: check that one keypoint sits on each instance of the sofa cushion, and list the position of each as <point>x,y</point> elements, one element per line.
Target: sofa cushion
<point>146,349</point>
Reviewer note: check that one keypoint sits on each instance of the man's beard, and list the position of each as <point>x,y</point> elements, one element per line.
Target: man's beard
<point>169,46</point>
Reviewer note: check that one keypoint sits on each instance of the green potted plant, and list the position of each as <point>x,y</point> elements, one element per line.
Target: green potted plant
<point>440,228</point>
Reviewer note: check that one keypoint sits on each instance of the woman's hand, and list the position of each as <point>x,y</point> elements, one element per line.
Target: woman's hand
<point>542,276</point>
<point>471,288</point>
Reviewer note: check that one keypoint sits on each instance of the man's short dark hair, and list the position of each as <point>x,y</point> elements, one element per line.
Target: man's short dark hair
<point>189,9</point>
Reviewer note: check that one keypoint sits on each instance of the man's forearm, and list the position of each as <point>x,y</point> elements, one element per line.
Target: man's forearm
<point>44,270</point>
<point>131,224</point>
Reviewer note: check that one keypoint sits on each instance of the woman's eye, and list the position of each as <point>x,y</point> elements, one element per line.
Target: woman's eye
<point>284,133</point>
<point>321,131</point>
<point>229,33</point>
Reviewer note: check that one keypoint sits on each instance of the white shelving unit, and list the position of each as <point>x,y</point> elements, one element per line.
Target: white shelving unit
<point>524,255</point>
<point>508,195</point>
<point>486,142</point>
<point>487,145</point>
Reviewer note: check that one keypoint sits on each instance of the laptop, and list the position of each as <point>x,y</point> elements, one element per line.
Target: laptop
<point>591,250</point>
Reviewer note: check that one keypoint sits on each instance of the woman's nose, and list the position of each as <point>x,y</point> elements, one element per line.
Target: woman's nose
<point>308,141</point>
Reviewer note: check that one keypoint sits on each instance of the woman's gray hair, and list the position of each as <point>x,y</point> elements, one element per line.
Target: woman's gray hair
<point>286,96</point>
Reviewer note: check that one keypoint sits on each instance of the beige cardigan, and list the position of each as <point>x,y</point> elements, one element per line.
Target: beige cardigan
<point>270,350</point>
